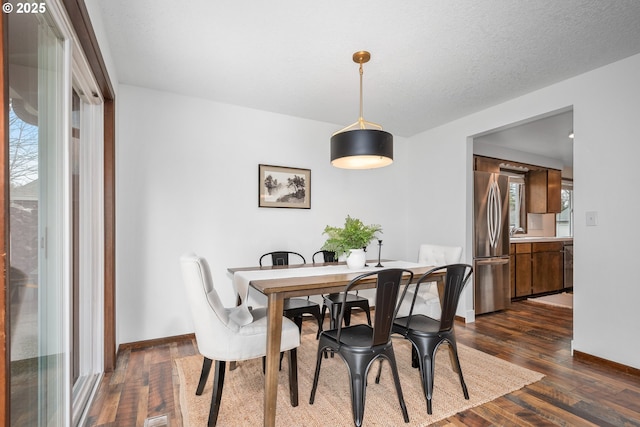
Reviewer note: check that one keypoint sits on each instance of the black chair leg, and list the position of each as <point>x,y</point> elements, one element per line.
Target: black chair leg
<point>204,374</point>
<point>368,313</point>
<point>358,368</point>
<point>358,384</point>
<point>396,379</point>
<point>320,319</point>
<point>334,309</point>
<point>456,366</point>
<point>379,372</point>
<point>347,316</point>
<point>427,370</point>
<point>415,362</point>
<point>317,374</point>
<point>264,362</point>
<point>218,382</point>
<point>324,312</point>
<point>293,376</point>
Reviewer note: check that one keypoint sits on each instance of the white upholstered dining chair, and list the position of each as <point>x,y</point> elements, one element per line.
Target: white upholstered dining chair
<point>228,334</point>
<point>428,299</point>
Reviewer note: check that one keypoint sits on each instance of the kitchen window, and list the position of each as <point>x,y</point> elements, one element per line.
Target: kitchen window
<point>564,219</point>
<point>517,208</point>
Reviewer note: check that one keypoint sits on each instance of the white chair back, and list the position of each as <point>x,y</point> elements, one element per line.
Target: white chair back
<point>218,335</point>
<point>439,255</point>
<point>428,302</point>
<point>210,318</point>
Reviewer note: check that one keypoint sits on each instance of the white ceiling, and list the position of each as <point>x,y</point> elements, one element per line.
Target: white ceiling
<point>432,60</point>
<point>547,137</point>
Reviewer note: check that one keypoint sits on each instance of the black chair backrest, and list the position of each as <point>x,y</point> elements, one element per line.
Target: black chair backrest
<point>327,256</point>
<point>387,288</point>
<point>457,276</point>
<point>281,257</point>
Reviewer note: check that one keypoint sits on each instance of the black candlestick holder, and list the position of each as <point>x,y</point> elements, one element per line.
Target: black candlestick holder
<point>379,251</point>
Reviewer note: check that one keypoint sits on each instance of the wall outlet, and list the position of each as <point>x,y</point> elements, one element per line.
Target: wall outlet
<point>592,219</point>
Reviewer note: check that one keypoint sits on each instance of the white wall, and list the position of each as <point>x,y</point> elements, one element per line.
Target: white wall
<point>187,172</point>
<point>606,104</point>
<point>187,180</point>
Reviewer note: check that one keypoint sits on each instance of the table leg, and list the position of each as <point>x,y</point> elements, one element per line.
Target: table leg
<point>274,335</point>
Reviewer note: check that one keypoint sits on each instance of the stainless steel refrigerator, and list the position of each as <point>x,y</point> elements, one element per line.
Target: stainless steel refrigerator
<point>491,242</point>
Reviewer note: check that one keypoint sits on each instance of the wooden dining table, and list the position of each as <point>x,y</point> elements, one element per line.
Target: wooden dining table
<point>295,281</point>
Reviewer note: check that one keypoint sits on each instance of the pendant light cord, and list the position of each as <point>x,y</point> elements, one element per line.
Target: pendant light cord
<point>361,118</point>
<point>361,123</point>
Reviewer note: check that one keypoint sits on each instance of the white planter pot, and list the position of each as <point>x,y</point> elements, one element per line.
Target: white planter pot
<point>356,259</point>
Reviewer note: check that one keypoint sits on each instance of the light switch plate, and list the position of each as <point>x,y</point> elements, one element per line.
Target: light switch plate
<point>592,219</point>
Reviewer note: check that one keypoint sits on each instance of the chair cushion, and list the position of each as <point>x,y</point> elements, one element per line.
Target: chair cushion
<point>290,332</point>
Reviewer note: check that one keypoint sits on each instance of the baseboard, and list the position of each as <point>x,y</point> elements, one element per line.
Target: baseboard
<point>157,341</point>
<point>586,357</point>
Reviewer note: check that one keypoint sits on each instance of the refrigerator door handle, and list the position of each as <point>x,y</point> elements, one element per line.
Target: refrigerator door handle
<point>493,261</point>
<point>494,213</point>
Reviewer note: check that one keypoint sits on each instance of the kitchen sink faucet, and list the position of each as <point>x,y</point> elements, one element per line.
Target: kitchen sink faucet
<point>514,230</point>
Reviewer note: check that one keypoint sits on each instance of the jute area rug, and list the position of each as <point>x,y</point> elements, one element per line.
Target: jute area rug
<point>487,378</point>
<point>559,300</point>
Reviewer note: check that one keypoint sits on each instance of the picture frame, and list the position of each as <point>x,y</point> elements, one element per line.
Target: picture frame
<point>284,187</point>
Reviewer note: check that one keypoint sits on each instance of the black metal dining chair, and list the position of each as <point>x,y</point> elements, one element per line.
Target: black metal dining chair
<point>360,345</point>
<point>426,334</point>
<point>332,302</point>
<point>295,308</point>
<point>327,256</point>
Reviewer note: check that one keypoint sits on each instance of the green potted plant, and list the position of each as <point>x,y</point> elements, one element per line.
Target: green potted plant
<point>351,240</point>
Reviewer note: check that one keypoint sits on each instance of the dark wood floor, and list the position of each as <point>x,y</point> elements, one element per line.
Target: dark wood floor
<point>573,392</point>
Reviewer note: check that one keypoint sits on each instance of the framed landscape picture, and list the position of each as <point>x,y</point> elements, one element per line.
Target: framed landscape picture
<point>284,187</point>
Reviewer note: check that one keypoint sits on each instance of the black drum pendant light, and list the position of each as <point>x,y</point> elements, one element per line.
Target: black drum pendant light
<point>363,144</point>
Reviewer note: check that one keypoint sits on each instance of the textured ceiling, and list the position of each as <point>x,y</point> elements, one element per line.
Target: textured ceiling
<point>432,60</point>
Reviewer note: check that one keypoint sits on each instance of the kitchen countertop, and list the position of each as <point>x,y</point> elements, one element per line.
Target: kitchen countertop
<point>536,239</point>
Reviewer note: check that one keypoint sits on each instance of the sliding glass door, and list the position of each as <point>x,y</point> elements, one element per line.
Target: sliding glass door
<point>55,223</point>
<point>37,208</point>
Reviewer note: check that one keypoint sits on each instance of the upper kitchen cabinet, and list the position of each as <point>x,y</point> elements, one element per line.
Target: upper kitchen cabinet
<point>485,164</point>
<point>543,191</point>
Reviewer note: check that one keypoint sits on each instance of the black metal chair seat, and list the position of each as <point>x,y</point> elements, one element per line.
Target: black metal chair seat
<point>295,308</point>
<point>420,325</point>
<point>353,337</point>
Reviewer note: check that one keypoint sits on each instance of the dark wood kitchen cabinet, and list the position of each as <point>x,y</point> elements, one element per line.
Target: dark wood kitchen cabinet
<point>547,267</point>
<point>522,270</point>
<point>543,191</point>
<point>537,268</point>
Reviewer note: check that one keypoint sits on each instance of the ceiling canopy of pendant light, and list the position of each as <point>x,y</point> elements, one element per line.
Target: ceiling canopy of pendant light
<point>363,144</point>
